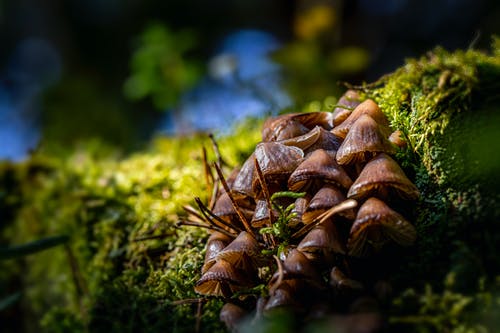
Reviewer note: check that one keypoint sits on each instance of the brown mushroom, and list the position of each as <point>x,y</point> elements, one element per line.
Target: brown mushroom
<point>232,315</point>
<point>282,127</point>
<point>345,105</point>
<point>342,284</point>
<point>381,176</point>
<point>368,107</point>
<point>224,209</point>
<point>326,141</point>
<point>222,279</point>
<point>327,197</point>
<point>322,242</point>
<point>397,138</point>
<point>242,185</point>
<point>215,243</point>
<point>243,253</point>
<point>363,141</point>
<point>319,168</point>
<point>277,162</point>
<point>375,225</point>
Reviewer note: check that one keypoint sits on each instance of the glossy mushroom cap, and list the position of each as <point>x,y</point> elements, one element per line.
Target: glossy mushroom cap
<point>276,161</point>
<point>326,141</point>
<point>377,224</point>
<point>324,239</point>
<point>363,141</point>
<point>222,279</point>
<point>368,107</point>
<point>281,128</point>
<point>346,104</point>
<point>232,315</point>
<point>381,177</point>
<point>224,209</point>
<point>215,243</point>
<point>320,167</point>
<point>242,185</point>
<point>342,284</point>
<point>397,138</point>
<point>327,197</point>
<point>243,252</point>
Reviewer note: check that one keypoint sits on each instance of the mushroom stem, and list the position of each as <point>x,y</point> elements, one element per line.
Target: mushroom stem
<point>345,205</point>
<point>233,202</point>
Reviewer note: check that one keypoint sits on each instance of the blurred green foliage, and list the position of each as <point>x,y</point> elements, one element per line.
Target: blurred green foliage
<point>160,66</point>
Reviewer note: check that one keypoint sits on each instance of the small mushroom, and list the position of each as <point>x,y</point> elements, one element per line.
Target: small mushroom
<point>375,225</point>
<point>363,141</point>
<point>346,104</point>
<point>284,295</point>
<point>368,107</point>
<point>381,176</point>
<point>215,243</point>
<point>222,279</point>
<point>313,119</point>
<point>232,316</point>
<point>282,127</point>
<point>303,141</point>
<point>277,162</point>
<point>224,209</point>
<point>397,139</point>
<point>326,141</point>
<point>243,252</point>
<point>342,284</point>
<point>322,242</point>
<point>327,197</point>
<point>298,210</point>
<point>320,167</point>
<point>242,185</point>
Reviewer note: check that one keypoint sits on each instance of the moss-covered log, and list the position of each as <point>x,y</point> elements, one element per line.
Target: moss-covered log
<point>127,268</point>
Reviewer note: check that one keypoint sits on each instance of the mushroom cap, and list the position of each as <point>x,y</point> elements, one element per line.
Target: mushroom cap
<point>342,284</point>
<point>303,141</point>
<point>327,197</point>
<point>379,177</point>
<point>222,279</point>
<point>282,127</point>
<point>215,243</point>
<point>242,184</point>
<point>297,265</point>
<point>313,119</point>
<point>243,252</point>
<point>232,315</point>
<point>376,224</point>
<point>285,295</point>
<point>346,104</point>
<point>368,107</point>
<point>321,167</point>
<point>326,141</point>
<point>397,138</point>
<point>323,238</point>
<point>224,209</point>
<point>363,141</point>
<point>277,161</point>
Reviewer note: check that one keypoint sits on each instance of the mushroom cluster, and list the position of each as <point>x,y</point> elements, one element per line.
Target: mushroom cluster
<point>317,197</point>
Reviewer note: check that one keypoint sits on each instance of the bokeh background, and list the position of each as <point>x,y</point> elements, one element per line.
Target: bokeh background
<point>119,72</point>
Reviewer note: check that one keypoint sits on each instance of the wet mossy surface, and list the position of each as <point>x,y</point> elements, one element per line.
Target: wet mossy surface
<point>127,268</point>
